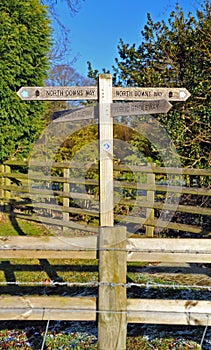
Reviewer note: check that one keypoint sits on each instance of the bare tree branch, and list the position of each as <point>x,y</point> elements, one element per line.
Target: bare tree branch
<point>62,42</point>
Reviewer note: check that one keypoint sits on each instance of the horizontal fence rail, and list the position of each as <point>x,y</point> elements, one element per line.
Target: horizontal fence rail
<point>47,308</point>
<point>65,205</point>
<point>138,250</point>
<point>180,312</point>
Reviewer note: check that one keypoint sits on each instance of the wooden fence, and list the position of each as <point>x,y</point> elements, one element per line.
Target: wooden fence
<point>56,196</point>
<point>112,309</point>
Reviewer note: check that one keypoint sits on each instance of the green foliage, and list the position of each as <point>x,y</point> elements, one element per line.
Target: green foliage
<point>24,46</point>
<point>82,138</point>
<point>175,54</point>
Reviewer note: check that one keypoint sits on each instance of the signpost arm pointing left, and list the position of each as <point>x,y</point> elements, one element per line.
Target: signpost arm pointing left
<point>58,93</point>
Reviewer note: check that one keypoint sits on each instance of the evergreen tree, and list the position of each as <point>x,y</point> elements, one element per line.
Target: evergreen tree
<point>24,47</point>
<point>175,54</point>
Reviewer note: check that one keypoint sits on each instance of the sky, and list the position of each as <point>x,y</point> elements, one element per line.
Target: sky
<point>96,29</point>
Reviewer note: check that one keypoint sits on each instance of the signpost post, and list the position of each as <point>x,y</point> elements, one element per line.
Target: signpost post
<point>112,304</point>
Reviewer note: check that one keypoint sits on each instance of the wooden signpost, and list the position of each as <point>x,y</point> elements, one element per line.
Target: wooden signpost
<point>76,114</point>
<point>139,94</point>
<point>138,108</point>
<point>116,109</point>
<point>112,301</point>
<point>58,93</point>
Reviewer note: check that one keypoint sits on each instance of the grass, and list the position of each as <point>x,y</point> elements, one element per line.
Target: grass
<point>12,226</point>
<point>55,340</point>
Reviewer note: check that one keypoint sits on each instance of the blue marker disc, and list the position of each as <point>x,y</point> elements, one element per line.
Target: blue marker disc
<point>25,94</point>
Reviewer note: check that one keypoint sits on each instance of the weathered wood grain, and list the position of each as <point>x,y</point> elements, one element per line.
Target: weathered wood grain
<point>169,250</point>
<point>112,299</point>
<point>150,198</point>
<point>105,150</point>
<point>48,247</point>
<point>47,308</point>
<point>178,312</point>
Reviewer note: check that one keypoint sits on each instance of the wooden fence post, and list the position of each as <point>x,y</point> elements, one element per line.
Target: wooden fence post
<point>112,303</point>
<point>66,201</point>
<point>1,190</point>
<point>7,194</point>
<point>150,199</point>
<point>1,181</point>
